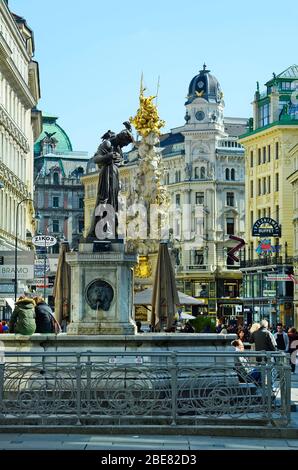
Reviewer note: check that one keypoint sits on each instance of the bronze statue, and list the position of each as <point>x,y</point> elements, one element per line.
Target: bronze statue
<point>109,157</point>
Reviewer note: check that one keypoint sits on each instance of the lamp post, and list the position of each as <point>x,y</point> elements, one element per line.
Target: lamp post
<point>16,247</point>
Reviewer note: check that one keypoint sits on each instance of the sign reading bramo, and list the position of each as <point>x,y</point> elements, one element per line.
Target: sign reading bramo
<point>261,229</point>
<point>25,268</point>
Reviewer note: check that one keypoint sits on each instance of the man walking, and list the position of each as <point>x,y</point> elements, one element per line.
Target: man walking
<point>281,338</point>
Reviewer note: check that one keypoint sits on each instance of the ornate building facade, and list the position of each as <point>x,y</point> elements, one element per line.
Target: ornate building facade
<point>270,151</point>
<point>59,193</point>
<point>203,170</point>
<point>20,125</point>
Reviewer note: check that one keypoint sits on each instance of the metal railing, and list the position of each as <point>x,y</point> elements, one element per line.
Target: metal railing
<point>168,388</point>
<point>268,261</point>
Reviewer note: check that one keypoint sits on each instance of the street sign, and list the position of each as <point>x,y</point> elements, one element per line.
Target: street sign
<point>269,293</point>
<point>278,277</point>
<point>44,240</point>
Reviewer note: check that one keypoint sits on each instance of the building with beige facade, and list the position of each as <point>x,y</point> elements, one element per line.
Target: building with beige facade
<point>270,146</point>
<point>203,170</point>
<point>20,125</point>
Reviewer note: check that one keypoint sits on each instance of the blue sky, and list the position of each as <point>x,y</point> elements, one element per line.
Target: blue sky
<point>92,53</point>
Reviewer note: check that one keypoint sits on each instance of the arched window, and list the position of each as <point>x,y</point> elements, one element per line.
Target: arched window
<point>202,173</point>
<point>56,177</point>
<point>233,174</point>
<point>227,173</point>
<point>196,172</point>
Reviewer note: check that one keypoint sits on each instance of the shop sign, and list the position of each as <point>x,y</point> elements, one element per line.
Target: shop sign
<point>261,229</point>
<point>269,293</point>
<point>44,240</point>
<point>265,247</point>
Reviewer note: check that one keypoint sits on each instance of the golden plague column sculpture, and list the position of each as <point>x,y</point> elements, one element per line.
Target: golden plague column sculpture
<point>148,201</point>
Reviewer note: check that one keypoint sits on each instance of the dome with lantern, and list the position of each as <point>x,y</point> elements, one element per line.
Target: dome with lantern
<point>206,86</point>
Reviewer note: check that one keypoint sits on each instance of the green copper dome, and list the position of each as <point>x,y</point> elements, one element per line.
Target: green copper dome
<point>52,130</point>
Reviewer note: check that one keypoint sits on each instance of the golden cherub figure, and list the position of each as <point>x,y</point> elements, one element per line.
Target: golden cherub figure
<point>147,119</point>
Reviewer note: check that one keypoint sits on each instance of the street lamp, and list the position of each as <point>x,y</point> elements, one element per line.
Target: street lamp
<point>16,246</point>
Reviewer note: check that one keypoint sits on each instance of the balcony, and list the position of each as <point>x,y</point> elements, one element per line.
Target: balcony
<point>267,261</point>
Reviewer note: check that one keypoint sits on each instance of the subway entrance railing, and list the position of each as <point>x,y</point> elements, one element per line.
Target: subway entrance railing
<point>148,388</point>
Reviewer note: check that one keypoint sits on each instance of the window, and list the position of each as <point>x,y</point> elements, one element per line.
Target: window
<point>178,176</point>
<point>285,86</point>
<point>233,174</point>
<point>81,203</point>
<point>264,185</point>
<point>230,199</point>
<point>269,152</point>
<point>269,184</point>
<point>196,172</point>
<point>177,199</point>
<point>230,226</point>
<point>276,151</point>
<point>200,198</point>
<point>251,159</point>
<point>259,187</point>
<point>269,211</point>
<point>56,226</point>
<point>264,115</point>
<point>81,225</point>
<point>264,154</point>
<point>227,173</point>
<point>259,213</point>
<point>251,188</point>
<point>259,157</point>
<point>55,201</point>
<point>276,182</point>
<point>199,257</point>
<point>167,178</point>
<point>277,213</point>
<point>251,218</point>
<point>56,178</point>
<point>203,173</point>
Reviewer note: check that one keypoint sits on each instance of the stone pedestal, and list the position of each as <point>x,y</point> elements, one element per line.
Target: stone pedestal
<point>101,290</point>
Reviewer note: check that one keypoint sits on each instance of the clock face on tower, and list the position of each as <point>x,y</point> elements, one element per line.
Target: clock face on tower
<point>200,115</point>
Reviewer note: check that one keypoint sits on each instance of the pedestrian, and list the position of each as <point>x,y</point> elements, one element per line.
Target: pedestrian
<point>45,320</point>
<point>281,338</point>
<point>263,338</point>
<point>23,317</point>
<point>293,347</point>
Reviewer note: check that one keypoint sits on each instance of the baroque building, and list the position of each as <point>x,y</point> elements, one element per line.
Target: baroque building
<point>203,170</point>
<point>59,193</point>
<point>270,156</point>
<point>20,125</point>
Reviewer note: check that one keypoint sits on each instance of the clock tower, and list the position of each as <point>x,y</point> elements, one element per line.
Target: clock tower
<point>204,105</point>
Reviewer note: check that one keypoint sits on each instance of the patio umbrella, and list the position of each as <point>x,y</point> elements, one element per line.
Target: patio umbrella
<point>145,298</point>
<point>61,290</point>
<point>186,316</point>
<point>164,295</point>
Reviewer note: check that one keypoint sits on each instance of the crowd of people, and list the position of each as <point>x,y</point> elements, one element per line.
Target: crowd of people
<point>266,339</point>
<point>31,315</point>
